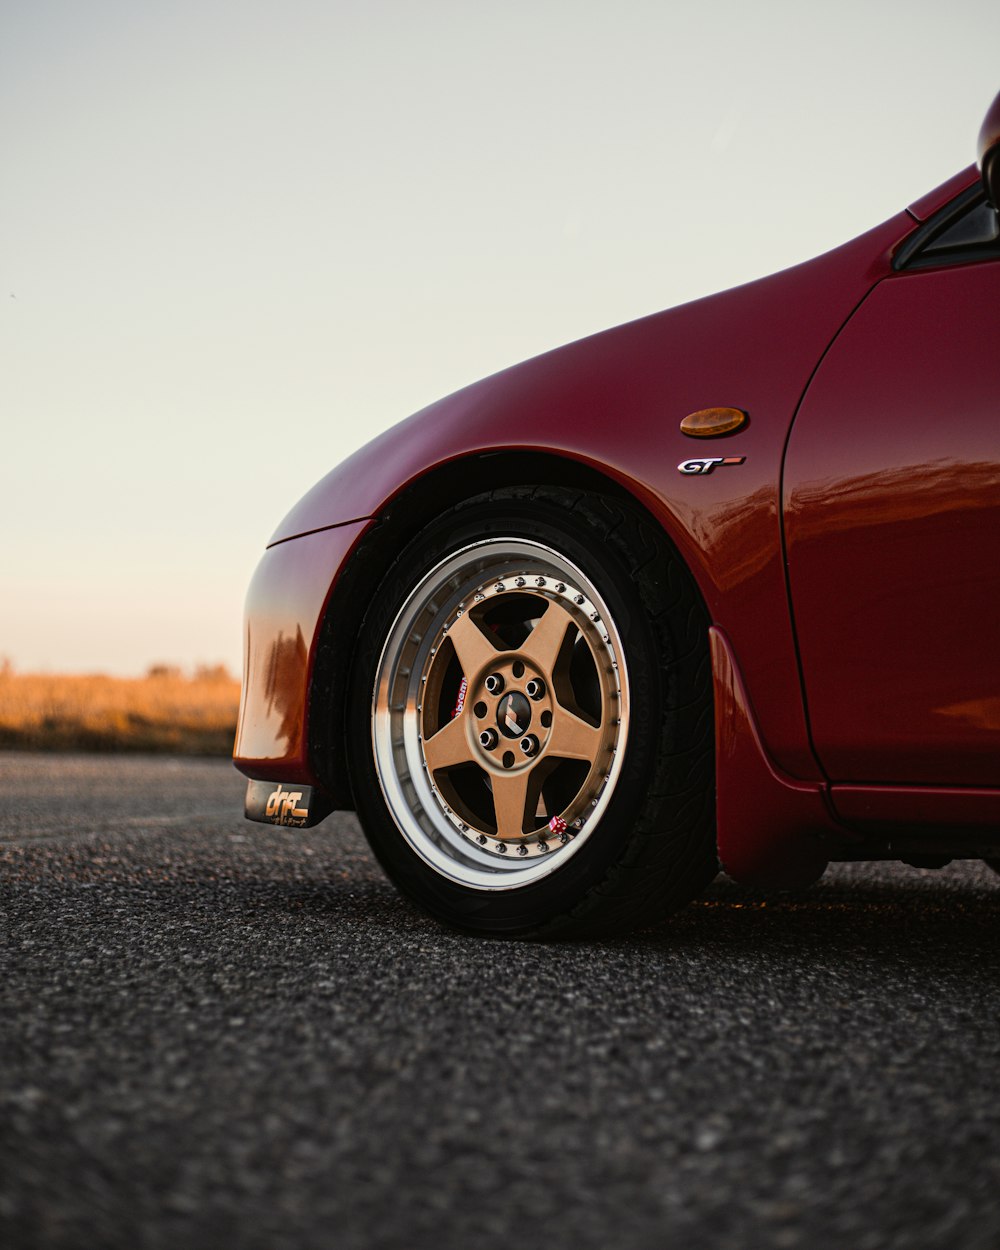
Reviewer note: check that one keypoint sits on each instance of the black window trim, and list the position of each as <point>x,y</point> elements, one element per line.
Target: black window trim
<point>911,255</point>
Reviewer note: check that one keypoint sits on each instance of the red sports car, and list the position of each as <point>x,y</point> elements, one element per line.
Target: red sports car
<point>717,585</point>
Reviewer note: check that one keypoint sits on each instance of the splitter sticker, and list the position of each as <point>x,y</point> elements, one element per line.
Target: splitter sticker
<point>281,807</point>
<point>705,464</point>
<point>296,806</point>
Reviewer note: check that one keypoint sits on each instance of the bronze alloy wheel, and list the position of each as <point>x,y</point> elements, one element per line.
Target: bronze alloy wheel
<point>530,721</point>
<point>499,713</point>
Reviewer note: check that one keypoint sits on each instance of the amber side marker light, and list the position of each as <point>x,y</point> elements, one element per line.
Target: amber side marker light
<point>714,422</point>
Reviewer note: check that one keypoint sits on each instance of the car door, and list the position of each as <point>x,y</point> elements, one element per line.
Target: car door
<point>891,497</point>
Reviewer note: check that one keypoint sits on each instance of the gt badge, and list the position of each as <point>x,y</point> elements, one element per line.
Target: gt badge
<point>705,464</point>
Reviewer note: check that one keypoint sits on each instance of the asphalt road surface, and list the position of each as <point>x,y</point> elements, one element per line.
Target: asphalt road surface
<point>224,1035</point>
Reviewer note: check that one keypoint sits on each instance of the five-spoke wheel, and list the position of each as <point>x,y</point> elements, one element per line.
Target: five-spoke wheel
<point>502,674</point>
<point>503,690</point>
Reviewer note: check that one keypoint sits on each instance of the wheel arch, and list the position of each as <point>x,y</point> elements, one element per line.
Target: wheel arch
<point>412,507</point>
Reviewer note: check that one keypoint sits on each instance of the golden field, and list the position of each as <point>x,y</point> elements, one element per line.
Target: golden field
<point>164,711</point>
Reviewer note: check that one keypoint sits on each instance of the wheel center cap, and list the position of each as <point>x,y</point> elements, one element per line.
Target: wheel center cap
<point>514,715</point>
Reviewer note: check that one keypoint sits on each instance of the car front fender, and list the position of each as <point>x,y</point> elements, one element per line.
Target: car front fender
<point>615,402</point>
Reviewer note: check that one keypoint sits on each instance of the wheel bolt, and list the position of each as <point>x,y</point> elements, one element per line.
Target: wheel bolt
<point>529,745</point>
<point>488,739</point>
<point>494,683</point>
<point>535,688</point>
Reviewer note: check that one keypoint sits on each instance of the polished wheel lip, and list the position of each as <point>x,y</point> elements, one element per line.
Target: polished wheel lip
<point>439,835</point>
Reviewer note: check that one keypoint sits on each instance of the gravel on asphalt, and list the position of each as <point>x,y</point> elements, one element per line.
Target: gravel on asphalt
<point>214,1033</point>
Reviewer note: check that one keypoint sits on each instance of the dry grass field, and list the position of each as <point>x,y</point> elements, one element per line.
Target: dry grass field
<point>164,711</point>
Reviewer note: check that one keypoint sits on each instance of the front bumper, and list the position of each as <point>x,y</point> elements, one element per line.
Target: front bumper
<point>285,607</point>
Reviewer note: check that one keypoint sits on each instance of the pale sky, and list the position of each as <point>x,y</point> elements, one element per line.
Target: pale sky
<point>241,237</point>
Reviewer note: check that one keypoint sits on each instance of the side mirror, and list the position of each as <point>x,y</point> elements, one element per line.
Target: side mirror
<point>989,152</point>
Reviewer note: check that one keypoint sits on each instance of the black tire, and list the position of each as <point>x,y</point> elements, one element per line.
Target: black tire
<point>637,792</point>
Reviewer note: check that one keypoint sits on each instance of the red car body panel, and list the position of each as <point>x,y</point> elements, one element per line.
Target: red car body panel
<point>945,808</point>
<point>771,829</point>
<point>614,402</point>
<point>892,496</point>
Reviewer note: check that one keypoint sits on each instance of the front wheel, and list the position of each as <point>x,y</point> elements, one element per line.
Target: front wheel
<point>531,722</point>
